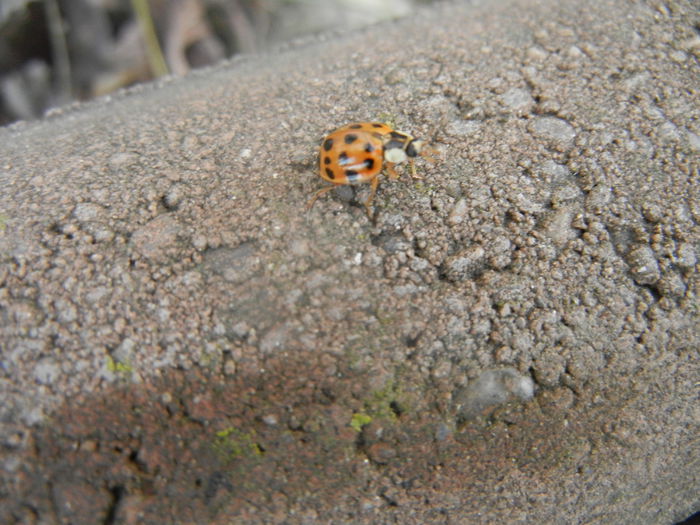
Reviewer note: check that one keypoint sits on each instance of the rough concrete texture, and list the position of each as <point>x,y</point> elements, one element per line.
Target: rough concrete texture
<point>513,339</point>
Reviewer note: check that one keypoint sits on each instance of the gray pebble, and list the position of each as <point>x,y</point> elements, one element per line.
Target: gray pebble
<point>685,256</point>
<point>517,100</point>
<point>174,195</point>
<point>554,130</point>
<point>46,371</point>
<point>493,387</point>
<point>643,265</point>
<point>125,351</point>
<point>554,170</point>
<point>122,160</point>
<point>88,211</point>
<point>458,213</point>
<point>557,225</point>
<point>598,197</point>
<point>66,311</point>
<point>465,264</point>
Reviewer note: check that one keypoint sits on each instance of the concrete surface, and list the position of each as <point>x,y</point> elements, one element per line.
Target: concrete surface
<point>513,339</point>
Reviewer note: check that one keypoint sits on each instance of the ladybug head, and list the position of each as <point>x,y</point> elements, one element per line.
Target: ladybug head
<point>414,148</point>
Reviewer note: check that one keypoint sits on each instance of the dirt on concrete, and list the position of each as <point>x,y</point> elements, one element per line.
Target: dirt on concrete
<point>513,338</point>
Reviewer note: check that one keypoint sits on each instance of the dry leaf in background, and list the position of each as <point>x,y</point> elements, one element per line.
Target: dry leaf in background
<point>56,51</point>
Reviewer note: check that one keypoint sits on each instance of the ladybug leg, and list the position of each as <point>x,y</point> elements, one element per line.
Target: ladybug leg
<point>318,194</point>
<point>425,154</point>
<point>429,154</point>
<point>391,171</point>
<point>373,191</point>
<point>414,174</point>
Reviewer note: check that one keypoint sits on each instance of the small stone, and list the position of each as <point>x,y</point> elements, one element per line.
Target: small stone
<point>466,264</point>
<point>88,211</point>
<point>554,130</point>
<point>565,192</point>
<point>66,311</point>
<point>46,371</point>
<point>690,43</point>
<point>124,352</point>
<point>32,415</point>
<point>575,53</point>
<point>101,233</point>
<point>174,196</point>
<point>678,56</point>
<point>500,251</point>
<point>693,140</point>
<point>157,237</point>
<point>652,212</point>
<point>517,100</point>
<point>557,226</point>
<point>199,242</point>
<point>493,387</point>
<point>270,420</point>
<point>636,80</point>
<point>685,256</point>
<point>536,53</point>
<point>643,265</point>
<point>274,339</point>
<point>554,170</point>
<point>122,160</point>
<point>96,294</point>
<point>668,131</point>
<point>598,197</point>
<point>233,264</point>
<point>458,213</point>
<point>300,247</point>
<point>463,128</point>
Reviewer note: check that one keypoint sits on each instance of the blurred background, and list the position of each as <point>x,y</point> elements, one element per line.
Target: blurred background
<point>53,52</point>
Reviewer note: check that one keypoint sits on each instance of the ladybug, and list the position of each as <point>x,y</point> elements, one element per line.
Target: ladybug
<point>356,154</point>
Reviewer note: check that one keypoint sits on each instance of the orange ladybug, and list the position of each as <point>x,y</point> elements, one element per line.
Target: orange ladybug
<point>356,154</point>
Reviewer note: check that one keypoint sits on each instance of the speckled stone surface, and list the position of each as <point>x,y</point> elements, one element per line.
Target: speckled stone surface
<point>512,339</point>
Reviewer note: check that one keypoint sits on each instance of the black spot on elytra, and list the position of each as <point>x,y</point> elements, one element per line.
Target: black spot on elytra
<point>377,125</point>
<point>330,173</point>
<point>369,148</point>
<point>350,173</point>
<point>356,126</point>
<point>369,163</point>
<point>350,138</point>
<point>343,158</point>
<point>328,144</point>
<point>326,160</point>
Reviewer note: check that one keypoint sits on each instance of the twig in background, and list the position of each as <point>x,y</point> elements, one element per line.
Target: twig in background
<point>59,54</point>
<point>155,55</point>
